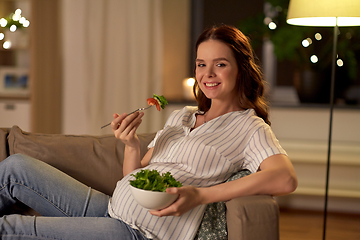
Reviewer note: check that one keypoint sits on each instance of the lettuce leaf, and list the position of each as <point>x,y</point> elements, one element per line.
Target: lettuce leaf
<point>162,100</point>
<point>152,180</point>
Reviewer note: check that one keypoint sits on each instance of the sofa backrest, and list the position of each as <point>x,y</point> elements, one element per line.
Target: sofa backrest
<point>93,160</point>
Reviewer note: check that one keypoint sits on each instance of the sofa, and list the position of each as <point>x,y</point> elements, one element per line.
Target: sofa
<point>97,161</point>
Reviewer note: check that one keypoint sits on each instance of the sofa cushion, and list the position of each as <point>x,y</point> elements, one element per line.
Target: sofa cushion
<point>94,160</point>
<point>4,147</point>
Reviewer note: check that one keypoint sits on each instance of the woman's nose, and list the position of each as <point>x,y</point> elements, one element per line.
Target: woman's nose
<point>210,72</point>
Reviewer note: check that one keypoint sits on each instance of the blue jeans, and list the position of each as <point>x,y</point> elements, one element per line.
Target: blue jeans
<point>69,209</point>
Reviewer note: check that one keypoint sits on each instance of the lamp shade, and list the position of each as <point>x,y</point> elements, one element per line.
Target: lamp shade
<point>325,13</point>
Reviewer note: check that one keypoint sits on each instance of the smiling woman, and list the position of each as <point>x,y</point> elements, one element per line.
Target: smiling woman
<point>226,51</point>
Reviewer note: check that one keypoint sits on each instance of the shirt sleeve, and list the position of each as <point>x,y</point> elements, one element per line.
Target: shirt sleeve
<point>152,143</point>
<point>168,122</point>
<point>262,145</point>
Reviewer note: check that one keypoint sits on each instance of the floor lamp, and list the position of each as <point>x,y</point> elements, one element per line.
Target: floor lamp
<point>326,13</point>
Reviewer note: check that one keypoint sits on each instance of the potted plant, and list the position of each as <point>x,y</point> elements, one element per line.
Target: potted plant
<point>308,50</point>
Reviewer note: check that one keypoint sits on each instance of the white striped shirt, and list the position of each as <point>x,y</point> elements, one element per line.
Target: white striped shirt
<point>204,156</point>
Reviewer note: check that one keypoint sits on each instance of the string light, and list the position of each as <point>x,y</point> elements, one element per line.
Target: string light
<point>15,17</point>
<point>318,36</point>
<point>13,22</point>
<point>314,59</point>
<point>305,43</point>
<point>340,62</point>
<point>18,11</point>
<point>13,28</point>
<point>272,26</point>
<point>7,44</point>
<point>3,22</point>
<point>26,23</point>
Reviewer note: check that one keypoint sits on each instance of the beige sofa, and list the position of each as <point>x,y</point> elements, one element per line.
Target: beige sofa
<point>97,162</point>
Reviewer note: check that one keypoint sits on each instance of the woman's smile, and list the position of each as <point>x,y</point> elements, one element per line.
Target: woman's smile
<point>211,84</point>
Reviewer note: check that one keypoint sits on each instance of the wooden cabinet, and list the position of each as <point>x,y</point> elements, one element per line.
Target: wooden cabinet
<point>15,112</point>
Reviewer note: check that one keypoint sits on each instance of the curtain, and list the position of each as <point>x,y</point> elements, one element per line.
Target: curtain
<point>112,62</point>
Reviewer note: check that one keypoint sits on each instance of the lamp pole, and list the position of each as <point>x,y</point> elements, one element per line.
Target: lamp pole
<point>332,90</point>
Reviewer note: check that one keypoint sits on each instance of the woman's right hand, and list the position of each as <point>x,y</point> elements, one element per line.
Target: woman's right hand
<point>124,128</point>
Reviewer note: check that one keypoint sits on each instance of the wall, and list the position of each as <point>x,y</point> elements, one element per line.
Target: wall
<point>176,25</point>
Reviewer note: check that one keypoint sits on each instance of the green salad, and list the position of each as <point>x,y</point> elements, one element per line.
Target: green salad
<point>152,180</point>
<point>162,100</point>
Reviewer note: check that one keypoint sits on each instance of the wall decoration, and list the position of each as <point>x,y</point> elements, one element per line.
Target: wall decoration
<point>14,81</point>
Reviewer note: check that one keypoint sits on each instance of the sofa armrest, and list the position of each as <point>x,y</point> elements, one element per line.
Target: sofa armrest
<point>252,218</point>
<point>4,146</point>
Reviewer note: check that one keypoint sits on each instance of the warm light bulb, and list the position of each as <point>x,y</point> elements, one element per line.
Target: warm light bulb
<point>13,28</point>
<point>340,62</point>
<point>305,43</point>
<point>3,22</point>
<point>190,82</point>
<point>16,17</point>
<point>18,11</point>
<point>318,36</point>
<point>22,20</point>
<point>7,44</point>
<point>2,36</point>
<point>314,59</point>
<point>26,23</point>
<point>272,26</point>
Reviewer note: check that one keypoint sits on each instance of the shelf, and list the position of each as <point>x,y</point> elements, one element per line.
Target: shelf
<point>321,192</point>
<point>315,152</point>
<point>15,97</point>
<point>14,49</point>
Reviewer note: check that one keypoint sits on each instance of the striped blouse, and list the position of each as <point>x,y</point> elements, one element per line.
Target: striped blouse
<point>204,156</point>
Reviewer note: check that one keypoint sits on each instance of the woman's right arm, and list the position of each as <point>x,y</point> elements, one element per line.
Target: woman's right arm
<point>124,128</point>
<point>131,160</point>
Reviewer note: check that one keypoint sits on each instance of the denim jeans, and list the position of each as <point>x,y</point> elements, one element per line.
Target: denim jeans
<point>69,209</point>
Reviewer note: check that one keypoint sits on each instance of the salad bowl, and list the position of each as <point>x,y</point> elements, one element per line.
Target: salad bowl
<point>152,200</point>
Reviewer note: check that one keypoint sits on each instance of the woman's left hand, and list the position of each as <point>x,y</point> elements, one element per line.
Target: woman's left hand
<point>189,198</point>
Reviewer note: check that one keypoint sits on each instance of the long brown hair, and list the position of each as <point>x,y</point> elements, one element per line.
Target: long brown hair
<point>250,82</point>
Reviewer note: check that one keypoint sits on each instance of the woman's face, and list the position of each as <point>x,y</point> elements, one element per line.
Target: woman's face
<point>216,71</point>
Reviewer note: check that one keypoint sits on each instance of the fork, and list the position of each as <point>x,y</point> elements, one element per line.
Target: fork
<point>139,109</point>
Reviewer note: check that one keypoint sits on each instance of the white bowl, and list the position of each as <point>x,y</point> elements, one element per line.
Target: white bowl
<point>153,200</point>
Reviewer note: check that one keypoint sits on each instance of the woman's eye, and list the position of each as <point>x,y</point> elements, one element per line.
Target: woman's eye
<point>221,65</point>
<point>200,65</point>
